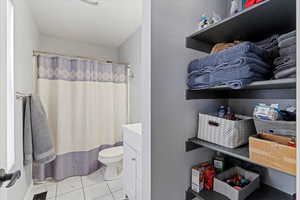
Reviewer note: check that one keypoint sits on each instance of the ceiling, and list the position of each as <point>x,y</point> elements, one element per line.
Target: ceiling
<point>109,24</point>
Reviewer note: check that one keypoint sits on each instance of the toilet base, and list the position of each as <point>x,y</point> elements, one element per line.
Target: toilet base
<point>112,172</point>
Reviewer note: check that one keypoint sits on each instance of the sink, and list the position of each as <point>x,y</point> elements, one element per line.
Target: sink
<point>132,135</point>
<point>136,128</point>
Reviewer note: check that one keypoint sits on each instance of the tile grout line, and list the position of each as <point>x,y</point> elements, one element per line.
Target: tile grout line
<point>84,196</point>
<point>56,188</point>
<point>110,190</point>
<point>74,190</point>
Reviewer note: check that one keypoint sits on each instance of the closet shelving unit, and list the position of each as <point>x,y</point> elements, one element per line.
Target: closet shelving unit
<point>252,24</point>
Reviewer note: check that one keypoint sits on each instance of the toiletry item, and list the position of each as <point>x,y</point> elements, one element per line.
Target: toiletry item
<point>243,3</point>
<point>291,109</point>
<point>264,112</point>
<point>229,114</point>
<point>221,111</point>
<point>250,3</point>
<point>219,162</point>
<point>215,18</point>
<point>204,22</point>
<point>292,143</point>
<point>238,181</point>
<point>236,6</point>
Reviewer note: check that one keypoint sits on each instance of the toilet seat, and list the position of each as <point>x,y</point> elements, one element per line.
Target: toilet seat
<point>114,153</point>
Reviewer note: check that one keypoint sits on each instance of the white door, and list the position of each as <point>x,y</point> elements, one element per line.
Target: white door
<point>7,98</point>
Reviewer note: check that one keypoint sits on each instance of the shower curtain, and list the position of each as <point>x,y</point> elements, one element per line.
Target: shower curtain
<point>86,105</point>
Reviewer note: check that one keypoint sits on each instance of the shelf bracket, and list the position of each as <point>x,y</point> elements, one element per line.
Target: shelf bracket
<point>190,146</point>
<point>189,195</point>
<point>198,45</point>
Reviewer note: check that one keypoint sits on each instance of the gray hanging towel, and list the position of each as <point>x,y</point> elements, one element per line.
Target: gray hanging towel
<point>38,145</point>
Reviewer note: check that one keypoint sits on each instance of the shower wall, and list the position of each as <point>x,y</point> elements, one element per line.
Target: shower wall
<point>130,52</point>
<point>69,47</point>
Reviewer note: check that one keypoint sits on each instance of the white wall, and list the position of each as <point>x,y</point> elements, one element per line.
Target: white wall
<point>174,119</point>
<point>26,40</point>
<point>69,47</point>
<point>130,52</point>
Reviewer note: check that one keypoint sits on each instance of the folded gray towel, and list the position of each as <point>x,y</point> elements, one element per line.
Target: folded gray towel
<point>268,42</point>
<point>286,36</point>
<point>287,42</point>
<point>27,132</point>
<point>284,59</point>
<point>285,73</point>
<point>38,146</point>
<point>285,66</point>
<point>288,50</point>
<point>292,76</point>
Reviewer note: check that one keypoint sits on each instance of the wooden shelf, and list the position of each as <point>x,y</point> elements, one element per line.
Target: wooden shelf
<point>241,153</point>
<point>271,89</point>
<point>252,24</point>
<point>263,193</point>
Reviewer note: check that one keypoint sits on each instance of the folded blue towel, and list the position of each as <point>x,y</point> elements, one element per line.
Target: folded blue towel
<point>234,84</point>
<point>239,72</point>
<point>245,49</point>
<point>241,83</point>
<point>240,61</point>
<point>200,80</point>
<point>260,66</point>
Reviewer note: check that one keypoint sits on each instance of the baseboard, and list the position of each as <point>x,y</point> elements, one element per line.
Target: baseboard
<point>28,193</point>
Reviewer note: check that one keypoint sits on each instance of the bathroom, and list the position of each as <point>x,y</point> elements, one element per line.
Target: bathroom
<point>81,60</point>
<point>149,100</point>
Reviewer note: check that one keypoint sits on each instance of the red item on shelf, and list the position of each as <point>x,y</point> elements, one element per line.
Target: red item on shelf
<point>208,177</point>
<point>250,3</point>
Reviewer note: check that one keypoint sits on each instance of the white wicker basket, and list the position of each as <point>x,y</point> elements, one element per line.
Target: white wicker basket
<point>225,132</point>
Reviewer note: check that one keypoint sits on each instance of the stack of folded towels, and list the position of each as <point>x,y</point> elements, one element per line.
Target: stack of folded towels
<point>285,64</point>
<point>235,67</point>
<point>270,44</point>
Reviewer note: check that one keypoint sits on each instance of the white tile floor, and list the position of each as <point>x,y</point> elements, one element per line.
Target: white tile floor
<point>91,187</point>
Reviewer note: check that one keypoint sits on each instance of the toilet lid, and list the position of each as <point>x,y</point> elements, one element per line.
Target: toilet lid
<point>112,152</point>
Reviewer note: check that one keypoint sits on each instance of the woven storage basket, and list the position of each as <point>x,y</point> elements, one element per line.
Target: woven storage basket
<point>225,132</point>
<point>287,128</point>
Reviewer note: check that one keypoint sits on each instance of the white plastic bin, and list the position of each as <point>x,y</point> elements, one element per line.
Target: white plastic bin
<point>222,187</point>
<point>227,133</point>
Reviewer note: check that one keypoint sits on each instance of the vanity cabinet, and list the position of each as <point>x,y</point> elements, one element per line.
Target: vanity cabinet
<point>132,162</point>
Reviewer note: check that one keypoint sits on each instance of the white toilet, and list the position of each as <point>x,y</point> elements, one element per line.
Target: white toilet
<point>112,158</point>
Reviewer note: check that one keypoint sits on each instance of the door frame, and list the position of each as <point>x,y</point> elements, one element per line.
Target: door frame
<point>3,91</point>
<point>4,100</point>
<point>298,97</point>
<point>146,100</point>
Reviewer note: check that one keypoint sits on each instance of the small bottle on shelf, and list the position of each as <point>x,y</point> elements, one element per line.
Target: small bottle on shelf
<point>219,162</point>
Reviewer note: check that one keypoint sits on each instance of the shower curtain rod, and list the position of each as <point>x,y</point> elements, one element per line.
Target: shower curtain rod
<point>36,53</point>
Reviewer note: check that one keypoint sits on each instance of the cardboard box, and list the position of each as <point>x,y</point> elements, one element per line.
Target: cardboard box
<point>273,151</point>
<point>224,188</point>
<point>198,176</point>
